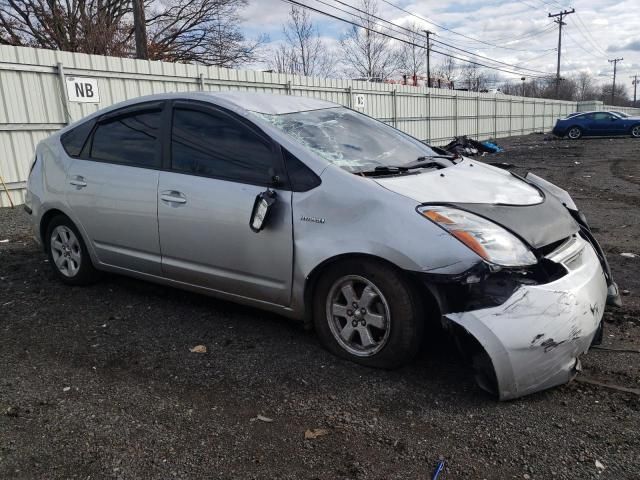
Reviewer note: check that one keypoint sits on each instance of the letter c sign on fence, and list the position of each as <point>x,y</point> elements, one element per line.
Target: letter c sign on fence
<point>84,90</point>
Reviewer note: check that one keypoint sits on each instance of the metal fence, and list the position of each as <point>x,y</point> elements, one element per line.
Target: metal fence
<point>34,101</point>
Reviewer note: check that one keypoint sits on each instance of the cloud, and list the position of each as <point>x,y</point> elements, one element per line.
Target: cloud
<point>598,28</point>
<point>632,45</point>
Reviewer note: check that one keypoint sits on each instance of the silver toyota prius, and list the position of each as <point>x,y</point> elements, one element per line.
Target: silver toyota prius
<point>320,213</point>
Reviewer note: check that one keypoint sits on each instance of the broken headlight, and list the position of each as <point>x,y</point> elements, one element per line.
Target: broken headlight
<point>489,240</point>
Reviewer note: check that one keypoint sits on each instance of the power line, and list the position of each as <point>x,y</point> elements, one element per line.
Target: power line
<point>589,52</point>
<point>327,14</point>
<point>510,41</point>
<point>549,26</point>
<point>587,35</point>
<point>528,5</point>
<point>424,19</point>
<point>369,16</point>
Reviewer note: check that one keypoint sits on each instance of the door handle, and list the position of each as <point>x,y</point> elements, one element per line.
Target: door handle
<point>171,196</point>
<point>78,181</point>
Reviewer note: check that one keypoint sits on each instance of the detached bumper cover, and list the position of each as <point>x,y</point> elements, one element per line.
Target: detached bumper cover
<point>534,339</point>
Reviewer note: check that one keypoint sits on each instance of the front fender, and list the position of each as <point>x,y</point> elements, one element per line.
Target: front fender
<point>351,215</point>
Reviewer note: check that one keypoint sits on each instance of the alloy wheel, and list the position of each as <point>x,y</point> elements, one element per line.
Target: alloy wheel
<point>575,133</point>
<point>635,131</point>
<point>358,315</point>
<point>66,251</point>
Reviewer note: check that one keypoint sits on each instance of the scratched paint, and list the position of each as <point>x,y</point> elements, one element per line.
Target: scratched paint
<point>535,338</point>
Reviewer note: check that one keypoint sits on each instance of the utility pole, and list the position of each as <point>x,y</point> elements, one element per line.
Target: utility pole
<point>428,33</point>
<point>560,23</point>
<point>635,88</point>
<point>523,80</point>
<point>140,27</point>
<point>615,65</point>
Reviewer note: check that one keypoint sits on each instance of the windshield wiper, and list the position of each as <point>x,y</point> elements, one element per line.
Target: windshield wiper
<point>383,170</point>
<point>451,158</point>
<point>394,170</point>
<point>422,163</point>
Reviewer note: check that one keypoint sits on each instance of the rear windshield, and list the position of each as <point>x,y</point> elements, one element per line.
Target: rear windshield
<point>350,139</point>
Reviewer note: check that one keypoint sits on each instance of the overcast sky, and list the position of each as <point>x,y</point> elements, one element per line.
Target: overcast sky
<point>598,31</point>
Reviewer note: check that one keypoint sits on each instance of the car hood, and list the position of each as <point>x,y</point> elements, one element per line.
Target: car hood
<point>467,182</point>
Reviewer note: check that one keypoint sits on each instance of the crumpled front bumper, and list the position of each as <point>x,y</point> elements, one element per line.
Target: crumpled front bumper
<point>534,339</point>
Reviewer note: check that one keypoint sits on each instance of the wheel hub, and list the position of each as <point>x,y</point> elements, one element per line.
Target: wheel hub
<point>358,315</point>
<point>65,250</point>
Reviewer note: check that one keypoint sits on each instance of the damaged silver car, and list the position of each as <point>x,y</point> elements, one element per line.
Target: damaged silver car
<point>312,210</point>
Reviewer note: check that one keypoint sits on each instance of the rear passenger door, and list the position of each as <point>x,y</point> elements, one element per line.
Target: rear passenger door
<point>216,164</point>
<point>112,188</point>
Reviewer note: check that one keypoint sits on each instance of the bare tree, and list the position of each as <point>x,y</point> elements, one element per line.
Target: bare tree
<point>543,88</point>
<point>367,53</point>
<point>585,87</point>
<point>447,71</point>
<point>282,60</point>
<point>202,31</point>
<point>473,77</point>
<point>304,52</point>
<point>413,58</point>
<point>89,26</point>
<point>621,97</point>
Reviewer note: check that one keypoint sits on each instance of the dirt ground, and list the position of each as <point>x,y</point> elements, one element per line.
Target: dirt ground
<point>99,382</point>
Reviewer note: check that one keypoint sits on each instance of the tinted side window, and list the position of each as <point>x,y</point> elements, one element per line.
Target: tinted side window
<point>131,140</point>
<point>73,140</point>
<point>301,177</point>
<point>208,143</point>
<point>601,116</point>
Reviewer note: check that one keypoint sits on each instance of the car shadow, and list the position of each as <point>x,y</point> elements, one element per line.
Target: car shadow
<point>275,346</point>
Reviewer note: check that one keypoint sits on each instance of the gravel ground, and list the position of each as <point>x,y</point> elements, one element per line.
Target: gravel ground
<point>99,382</point>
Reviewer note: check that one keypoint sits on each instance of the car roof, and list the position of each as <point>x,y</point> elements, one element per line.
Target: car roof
<point>575,114</point>
<point>270,103</point>
<point>240,102</point>
<point>267,103</point>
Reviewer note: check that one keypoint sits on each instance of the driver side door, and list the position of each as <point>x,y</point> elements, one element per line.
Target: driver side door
<point>215,165</point>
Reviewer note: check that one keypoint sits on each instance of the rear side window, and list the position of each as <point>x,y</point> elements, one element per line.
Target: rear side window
<point>213,144</point>
<point>602,116</point>
<point>73,141</point>
<point>130,140</point>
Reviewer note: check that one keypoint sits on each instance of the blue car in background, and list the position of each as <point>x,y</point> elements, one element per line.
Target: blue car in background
<point>577,125</point>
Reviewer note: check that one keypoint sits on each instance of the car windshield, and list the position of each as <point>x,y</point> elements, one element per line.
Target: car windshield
<point>349,139</point>
<point>621,114</point>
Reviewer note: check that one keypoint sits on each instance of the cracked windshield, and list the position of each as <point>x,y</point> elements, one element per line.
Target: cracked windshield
<point>349,139</point>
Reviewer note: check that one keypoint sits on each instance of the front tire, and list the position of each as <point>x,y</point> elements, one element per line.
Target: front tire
<point>635,131</point>
<point>68,254</point>
<point>574,133</point>
<point>367,312</point>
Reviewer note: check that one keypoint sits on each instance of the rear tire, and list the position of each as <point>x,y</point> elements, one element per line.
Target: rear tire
<point>367,312</point>
<point>635,131</point>
<point>68,254</point>
<point>574,133</point>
